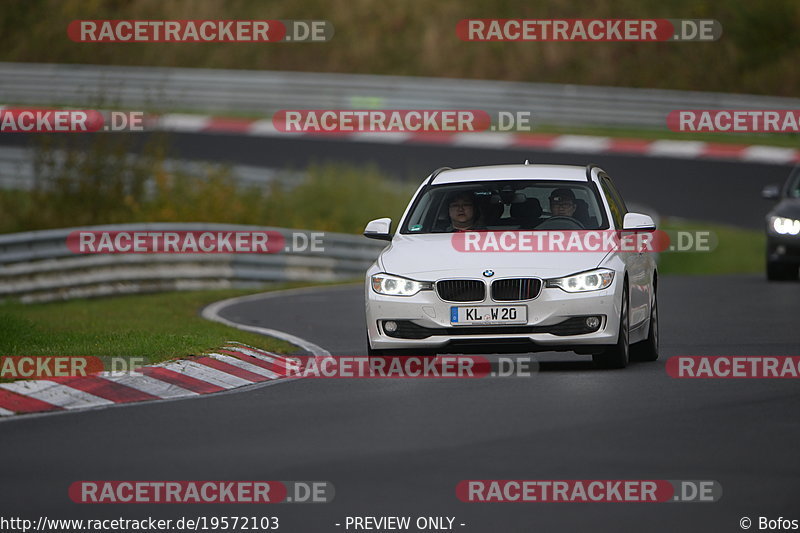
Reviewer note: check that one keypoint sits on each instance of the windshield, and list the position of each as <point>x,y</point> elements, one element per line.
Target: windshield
<point>793,190</point>
<point>506,205</point>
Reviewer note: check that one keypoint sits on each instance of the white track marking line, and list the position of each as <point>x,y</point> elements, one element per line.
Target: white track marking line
<point>290,363</point>
<point>244,365</point>
<point>488,139</point>
<point>280,361</point>
<point>265,128</point>
<point>211,312</point>
<point>676,148</point>
<point>207,374</point>
<point>148,384</point>
<point>483,139</point>
<point>771,154</point>
<point>182,122</point>
<point>389,137</point>
<point>202,372</point>
<point>56,394</point>
<point>581,143</point>
<point>237,390</point>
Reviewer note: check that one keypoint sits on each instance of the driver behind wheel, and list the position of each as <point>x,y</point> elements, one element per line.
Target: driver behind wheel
<point>562,203</point>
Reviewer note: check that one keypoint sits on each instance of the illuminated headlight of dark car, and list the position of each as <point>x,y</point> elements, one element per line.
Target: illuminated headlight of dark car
<point>390,285</point>
<point>593,280</point>
<point>784,226</point>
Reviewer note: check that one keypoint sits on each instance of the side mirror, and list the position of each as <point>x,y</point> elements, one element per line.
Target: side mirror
<point>771,192</point>
<point>638,221</point>
<point>379,229</point>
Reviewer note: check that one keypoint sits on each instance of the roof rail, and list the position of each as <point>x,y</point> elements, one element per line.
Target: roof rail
<point>437,172</point>
<point>589,169</point>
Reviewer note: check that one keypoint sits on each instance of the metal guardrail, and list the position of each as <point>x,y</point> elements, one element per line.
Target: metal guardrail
<point>37,266</point>
<point>17,170</point>
<point>264,92</point>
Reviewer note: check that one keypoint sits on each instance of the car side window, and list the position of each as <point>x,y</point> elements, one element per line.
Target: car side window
<point>615,202</point>
<point>616,194</point>
<point>794,188</point>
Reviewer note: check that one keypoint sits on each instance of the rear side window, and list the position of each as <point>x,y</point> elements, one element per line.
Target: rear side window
<point>615,202</point>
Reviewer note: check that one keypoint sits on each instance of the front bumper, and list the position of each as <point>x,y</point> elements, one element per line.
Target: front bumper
<point>547,327</point>
<point>783,249</point>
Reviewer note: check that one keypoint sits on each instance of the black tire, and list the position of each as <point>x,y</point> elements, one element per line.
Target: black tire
<point>618,355</point>
<point>647,350</point>
<point>782,272</point>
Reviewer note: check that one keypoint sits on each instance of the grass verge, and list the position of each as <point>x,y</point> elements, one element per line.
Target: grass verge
<point>157,327</point>
<point>738,251</point>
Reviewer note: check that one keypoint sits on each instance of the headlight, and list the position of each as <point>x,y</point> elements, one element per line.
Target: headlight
<point>784,226</point>
<point>594,280</point>
<point>397,286</point>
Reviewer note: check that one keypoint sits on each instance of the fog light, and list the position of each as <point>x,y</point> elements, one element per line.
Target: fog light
<point>592,322</point>
<point>390,326</point>
<point>780,250</point>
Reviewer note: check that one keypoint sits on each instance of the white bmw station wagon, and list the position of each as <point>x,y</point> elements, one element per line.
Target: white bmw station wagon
<point>515,259</point>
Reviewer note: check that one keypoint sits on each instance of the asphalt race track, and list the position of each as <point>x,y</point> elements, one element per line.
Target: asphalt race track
<point>399,447</point>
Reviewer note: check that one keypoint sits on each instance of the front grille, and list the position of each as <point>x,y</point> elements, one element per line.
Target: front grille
<point>505,290</point>
<point>461,290</point>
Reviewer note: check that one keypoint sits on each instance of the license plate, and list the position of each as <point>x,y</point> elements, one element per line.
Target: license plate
<point>489,314</point>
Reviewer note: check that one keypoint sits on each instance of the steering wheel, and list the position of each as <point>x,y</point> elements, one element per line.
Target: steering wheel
<point>561,218</point>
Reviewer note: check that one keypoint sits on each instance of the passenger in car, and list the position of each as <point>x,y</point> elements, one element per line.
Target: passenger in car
<point>463,212</point>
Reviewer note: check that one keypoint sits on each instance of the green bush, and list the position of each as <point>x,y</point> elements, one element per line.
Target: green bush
<point>336,198</point>
<point>80,184</point>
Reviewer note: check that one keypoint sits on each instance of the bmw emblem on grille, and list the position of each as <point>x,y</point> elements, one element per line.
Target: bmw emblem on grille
<point>488,273</point>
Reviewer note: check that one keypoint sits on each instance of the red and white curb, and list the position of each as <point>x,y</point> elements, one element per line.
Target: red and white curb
<point>235,365</point>
<point>557,143</point>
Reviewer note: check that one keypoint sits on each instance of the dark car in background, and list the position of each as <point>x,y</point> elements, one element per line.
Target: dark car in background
<point>783,229</point>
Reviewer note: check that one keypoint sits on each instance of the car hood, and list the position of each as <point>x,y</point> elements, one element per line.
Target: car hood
<point>788,208</point>
<point>431,257</point>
